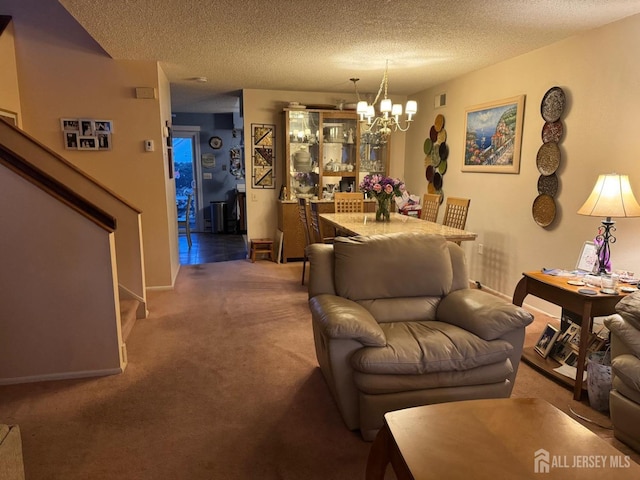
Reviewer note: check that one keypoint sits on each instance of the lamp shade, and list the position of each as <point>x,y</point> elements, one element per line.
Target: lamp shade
<point>611,197</point>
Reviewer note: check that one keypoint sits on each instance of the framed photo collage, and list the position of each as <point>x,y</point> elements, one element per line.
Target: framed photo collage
<point>86,134</point>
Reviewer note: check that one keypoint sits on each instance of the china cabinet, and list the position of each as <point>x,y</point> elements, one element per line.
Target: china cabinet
<point>325,152</point>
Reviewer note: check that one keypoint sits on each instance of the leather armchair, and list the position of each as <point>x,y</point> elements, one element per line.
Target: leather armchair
<point>624,398</point>
<point>396,325</point>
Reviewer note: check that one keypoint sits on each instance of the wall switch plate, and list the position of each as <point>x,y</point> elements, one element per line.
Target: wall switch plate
<point>148,145</point>
<point>207,176</point>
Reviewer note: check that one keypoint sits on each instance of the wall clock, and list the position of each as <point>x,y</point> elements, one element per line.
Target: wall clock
<point>215,142</point>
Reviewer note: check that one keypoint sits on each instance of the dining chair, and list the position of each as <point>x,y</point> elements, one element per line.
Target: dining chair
<point>302,212</point>
<point>186,223</point>
<point>430,206</point>
<point>316,226</point>
<point>348,202</point>
<point>455,212</point>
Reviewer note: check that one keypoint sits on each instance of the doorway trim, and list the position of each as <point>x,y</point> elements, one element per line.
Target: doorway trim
<point>193,132</point>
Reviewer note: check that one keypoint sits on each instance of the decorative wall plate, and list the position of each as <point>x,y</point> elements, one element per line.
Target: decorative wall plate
<point>215,142</point>
<point>552,104</point>
<point>442,136</point>
<point>439,122</point>
<point>429,173</point>
<point>548,158</point>
<point>443,150</point>
<point>435,156</point>
<point>548,184</point>
<point>437,180</point>
<point>442,168</point>
<point>428,145</point>
<point>433,134</point>
<point>552,132</point>
<point>544,210</point>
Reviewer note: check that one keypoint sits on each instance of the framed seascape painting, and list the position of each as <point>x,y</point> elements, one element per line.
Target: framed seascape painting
<point>493,136</point>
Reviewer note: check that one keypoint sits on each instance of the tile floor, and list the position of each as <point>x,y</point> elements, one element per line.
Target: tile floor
<point>211,248</point>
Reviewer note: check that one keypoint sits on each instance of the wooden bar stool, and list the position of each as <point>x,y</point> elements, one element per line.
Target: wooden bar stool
<point>261,246</point>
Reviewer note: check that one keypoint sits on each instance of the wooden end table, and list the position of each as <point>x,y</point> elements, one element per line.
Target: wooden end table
<point>523,438</point>
<point>555,289</point>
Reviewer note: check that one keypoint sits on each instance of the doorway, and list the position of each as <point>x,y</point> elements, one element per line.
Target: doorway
<point>188,174</point>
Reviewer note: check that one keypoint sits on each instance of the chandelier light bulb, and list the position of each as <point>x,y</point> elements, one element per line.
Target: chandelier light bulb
<point>385,105</point>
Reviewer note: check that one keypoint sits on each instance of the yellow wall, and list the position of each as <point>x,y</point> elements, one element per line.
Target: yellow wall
<point>9,91</point>
<point>599,75</point>
<point>63,73</point>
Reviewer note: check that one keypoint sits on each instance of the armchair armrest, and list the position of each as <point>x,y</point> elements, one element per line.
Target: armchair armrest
<point>625,336</point>
<point>483,314</point>
<point>342,318</point>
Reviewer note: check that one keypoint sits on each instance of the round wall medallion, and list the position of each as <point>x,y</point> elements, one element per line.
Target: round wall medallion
<point>552,104</point>
<point>215,142</point>
<point>544,210</point>
<point>548,184</point>
<point>552,132</point>
<point>548,158</point>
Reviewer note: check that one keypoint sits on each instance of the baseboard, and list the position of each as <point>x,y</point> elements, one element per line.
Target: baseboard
<point>476,284</point>
<point>61,376</point>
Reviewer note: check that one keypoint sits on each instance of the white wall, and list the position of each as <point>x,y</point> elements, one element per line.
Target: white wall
<point>599,74</point>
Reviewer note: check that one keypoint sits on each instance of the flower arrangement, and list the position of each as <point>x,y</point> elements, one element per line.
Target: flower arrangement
<point>382,188</point>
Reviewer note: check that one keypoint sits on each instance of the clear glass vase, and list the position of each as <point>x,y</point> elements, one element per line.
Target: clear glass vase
<point>382,209</point>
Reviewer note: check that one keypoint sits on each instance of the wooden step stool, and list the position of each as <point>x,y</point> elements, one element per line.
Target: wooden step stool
<point>261,246</point>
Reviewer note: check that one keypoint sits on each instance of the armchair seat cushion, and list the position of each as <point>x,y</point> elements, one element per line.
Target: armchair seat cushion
<point>416,348</point>
<point>381,384</point>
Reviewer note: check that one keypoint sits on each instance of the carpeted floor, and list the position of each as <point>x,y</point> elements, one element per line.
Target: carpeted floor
<point>222,383</point>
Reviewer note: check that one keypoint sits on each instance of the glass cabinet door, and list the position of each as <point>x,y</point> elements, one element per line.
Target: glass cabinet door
<point>374,155</point>
<point>303,152</point>
<point>339,147</point>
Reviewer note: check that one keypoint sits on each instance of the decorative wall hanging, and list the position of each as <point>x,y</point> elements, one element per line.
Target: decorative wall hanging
<point>493,136</point>
<point>86,134</point>
<point>263,155</point>
<point>436,157</point>
<point>235,162</point>
<point>548,156</point>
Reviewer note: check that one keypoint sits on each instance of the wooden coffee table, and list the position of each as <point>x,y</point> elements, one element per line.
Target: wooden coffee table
<point>489,439</point>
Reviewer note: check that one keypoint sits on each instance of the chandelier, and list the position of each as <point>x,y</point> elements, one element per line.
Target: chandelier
<point>388,120</point>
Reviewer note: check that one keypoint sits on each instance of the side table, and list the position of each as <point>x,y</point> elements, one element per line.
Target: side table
<point>556,290</point>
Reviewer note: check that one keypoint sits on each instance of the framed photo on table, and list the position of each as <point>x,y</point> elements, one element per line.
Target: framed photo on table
<point>588,259</point>
<point>546,341</point>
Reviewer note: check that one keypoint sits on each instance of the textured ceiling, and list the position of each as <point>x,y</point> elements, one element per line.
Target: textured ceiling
<point>318,45</point>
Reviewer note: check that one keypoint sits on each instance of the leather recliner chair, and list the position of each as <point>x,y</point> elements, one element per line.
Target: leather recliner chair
<point>624,398</point>
<point>396,325</point>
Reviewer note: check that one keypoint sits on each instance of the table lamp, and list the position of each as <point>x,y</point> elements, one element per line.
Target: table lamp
<point>611,197</point>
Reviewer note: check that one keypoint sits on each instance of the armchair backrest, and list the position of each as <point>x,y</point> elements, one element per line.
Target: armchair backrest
<point>396,277</point>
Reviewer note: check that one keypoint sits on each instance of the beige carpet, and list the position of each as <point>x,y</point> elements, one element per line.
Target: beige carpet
<point>222,383</point>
